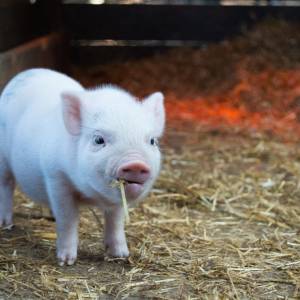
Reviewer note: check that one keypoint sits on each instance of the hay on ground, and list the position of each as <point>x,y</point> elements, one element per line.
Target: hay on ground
<point>223,221</point>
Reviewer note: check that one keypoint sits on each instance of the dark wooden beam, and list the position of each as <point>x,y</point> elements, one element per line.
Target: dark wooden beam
<point>207,23</point>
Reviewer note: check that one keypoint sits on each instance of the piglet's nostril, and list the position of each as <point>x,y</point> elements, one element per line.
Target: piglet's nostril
<point>135,171</point>
<point>136,167</point>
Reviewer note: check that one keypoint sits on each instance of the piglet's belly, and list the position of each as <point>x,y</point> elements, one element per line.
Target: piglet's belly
<point>35,192</point>
<point>32,184</point>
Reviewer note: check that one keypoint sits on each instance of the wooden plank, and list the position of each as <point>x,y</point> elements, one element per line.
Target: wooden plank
<point>23,20</point>
<point>46,52</point>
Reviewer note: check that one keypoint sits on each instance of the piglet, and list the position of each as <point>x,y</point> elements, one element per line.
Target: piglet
<point>64,146</point>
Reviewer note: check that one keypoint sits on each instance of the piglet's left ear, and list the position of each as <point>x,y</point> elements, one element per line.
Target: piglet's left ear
<point>71,109</point>
<point>155,104</point>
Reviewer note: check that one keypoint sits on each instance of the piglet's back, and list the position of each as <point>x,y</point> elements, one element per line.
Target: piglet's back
<point>35,90</point>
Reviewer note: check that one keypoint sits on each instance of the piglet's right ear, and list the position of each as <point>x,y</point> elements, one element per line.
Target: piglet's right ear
<point>71,109</point>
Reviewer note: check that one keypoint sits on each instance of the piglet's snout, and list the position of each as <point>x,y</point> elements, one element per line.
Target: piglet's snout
<point>135,172</point>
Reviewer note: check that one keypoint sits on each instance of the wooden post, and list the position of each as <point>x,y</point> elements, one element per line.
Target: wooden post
<point>45,52</point>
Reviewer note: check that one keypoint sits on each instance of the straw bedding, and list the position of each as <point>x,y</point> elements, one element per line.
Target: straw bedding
<point>223,221</point>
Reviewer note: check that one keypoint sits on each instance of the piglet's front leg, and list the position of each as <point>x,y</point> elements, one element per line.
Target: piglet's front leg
<point>65,211</point>
<point>114,234</point>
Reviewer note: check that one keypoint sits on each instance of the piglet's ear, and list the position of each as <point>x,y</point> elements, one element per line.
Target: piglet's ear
<point>155,104</point>
<point>71,109</point>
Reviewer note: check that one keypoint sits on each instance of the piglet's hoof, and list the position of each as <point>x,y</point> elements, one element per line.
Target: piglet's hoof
<point>66,257</point>
<point>118,250</point>
<point>6,223</point>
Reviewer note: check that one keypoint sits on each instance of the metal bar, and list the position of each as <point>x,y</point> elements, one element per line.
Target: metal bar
<point>136,43</point>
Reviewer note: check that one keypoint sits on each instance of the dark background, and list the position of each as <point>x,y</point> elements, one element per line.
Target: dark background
<point>113,30</point>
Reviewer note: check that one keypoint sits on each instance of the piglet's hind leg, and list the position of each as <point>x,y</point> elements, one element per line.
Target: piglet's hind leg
<point>7,186</point>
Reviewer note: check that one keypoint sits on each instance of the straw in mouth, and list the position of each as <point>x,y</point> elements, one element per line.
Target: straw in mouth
<point>121,184</point>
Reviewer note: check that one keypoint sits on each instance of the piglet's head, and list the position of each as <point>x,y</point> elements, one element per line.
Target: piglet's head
<point>113,136</point>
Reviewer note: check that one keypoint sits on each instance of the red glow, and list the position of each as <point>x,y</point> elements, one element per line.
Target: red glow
<point>266,101</point>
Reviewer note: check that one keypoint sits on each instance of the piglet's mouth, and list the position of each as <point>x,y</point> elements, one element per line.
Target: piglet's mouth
<point>134,174</point>
<point>131,181</point>
<point>133,189</point>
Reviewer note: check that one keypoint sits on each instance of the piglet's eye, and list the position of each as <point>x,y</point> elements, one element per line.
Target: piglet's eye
<point>98,140</point>
<point>153,142</point>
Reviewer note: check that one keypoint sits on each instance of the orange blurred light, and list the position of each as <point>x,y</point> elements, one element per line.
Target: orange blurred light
<point>268,101</point>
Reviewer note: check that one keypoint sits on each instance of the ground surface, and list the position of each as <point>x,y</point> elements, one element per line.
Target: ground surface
<point>223,220</point>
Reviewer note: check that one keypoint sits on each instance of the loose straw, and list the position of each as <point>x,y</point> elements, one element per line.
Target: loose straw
<point>120,184</point>
<point>124,201</point>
